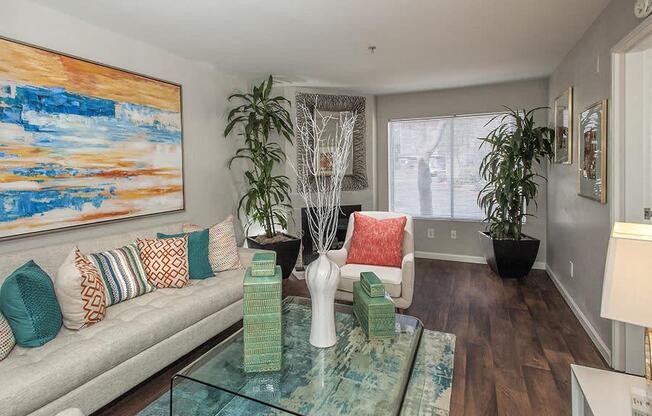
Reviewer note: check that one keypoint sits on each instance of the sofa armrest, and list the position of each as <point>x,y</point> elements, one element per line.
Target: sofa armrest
<point>247,254</point>
<point>407,282</point>
<point>338,256</point>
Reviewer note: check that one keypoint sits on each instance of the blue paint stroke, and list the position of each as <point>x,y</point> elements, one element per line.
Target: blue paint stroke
<point>46,113</point>
<point>52,170</point>
<point>23,204</point>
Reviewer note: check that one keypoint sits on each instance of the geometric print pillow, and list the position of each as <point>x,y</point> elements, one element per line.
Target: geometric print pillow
<point>122,272</point>
<point>7,340</point>
<point>222,246</point>
<point>80,291</point>
<point>166,261</point>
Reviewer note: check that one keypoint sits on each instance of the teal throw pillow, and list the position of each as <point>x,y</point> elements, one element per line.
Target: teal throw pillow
<point>28,302</point>
<point>200,267</point>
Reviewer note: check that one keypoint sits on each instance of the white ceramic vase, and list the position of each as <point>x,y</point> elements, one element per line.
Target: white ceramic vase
<point>322,277</point>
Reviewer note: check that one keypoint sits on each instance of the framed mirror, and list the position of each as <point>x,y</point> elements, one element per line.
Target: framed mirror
<point>563,114</point>
<point>592,153</point>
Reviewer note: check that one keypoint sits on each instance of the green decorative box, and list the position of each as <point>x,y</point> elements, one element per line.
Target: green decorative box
<point>262,294</point>
<point>262,321</point>
<point>372,284</point>
<point>376,315</point>
<point>263,264</point>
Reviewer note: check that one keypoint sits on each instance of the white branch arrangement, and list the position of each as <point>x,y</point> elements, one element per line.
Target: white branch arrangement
<point>321,190</point>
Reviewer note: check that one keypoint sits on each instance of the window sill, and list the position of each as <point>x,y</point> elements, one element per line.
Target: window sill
<point>414,217</point>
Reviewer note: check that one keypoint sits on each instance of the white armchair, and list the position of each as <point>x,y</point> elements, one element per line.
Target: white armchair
<point>399,282</point>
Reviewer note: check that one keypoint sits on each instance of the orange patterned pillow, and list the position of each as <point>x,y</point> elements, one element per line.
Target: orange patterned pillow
<point>165,261</point>
<point>377,242</point>
<point>80,291</point>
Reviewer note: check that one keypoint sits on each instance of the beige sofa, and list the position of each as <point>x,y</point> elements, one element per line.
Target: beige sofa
<point>89,368</point>
<point>398,282</point>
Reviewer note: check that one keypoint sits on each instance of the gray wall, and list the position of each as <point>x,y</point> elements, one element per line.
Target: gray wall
<point>210,189</point>
<point>578,228</point>
<point>481,99</point>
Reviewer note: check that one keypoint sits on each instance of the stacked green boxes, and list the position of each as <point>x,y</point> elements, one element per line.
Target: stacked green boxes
<point>263,264</point>
<point>262,319</point>
<point>375,313</point>
<point>372,284</point>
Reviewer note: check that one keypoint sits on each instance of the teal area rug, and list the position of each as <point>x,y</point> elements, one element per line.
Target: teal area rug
<point>428,393</point>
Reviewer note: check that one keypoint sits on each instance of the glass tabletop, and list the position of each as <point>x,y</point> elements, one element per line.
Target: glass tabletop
<point>357,376</point>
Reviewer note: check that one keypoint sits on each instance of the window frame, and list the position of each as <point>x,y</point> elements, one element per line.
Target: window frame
<point>390,164</point>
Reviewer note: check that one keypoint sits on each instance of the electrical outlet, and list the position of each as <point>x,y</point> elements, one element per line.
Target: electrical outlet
<point>571,268</point>
<point>431,233</point>
<point>453,234</point>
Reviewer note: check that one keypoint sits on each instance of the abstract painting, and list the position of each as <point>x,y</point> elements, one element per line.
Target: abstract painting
<point>564,127</point>
<point>593,152</point>
<point>82,142</point>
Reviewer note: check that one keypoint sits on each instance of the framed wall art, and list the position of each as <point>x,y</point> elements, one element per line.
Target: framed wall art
<point>335,106</point>
<point>593,152</point>
<point>563,113</point>
<point>82,142</point>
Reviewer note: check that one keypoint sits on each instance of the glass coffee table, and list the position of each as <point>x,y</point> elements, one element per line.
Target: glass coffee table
<point>357,376</point>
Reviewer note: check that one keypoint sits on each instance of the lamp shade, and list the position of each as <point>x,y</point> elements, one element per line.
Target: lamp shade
<point>627,288</point>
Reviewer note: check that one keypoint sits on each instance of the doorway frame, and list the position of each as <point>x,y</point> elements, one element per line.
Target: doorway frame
<point>616,168</point>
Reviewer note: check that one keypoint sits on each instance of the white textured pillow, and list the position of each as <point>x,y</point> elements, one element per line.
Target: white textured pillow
<point>7,340</point>
<point>80,291</point>
<point>222,246</point>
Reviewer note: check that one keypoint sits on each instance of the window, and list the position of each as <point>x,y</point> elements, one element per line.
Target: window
<point>434,166</point>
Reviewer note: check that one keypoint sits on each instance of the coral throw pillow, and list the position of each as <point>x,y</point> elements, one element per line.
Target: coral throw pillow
<point>165,261</point>
<point>377,242</point>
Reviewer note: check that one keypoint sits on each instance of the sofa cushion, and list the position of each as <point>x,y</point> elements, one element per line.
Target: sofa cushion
<point>80,291</point>
<point>123,273</point>
<point>166,261</point>
<point>198,265</point>
<point>390,276</point>
<point>128,329</point>
<point>222,246</point>
<point>28,302</point>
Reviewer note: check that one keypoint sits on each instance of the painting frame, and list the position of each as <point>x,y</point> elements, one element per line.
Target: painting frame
<point>564,148</point>
<point>589,176</point>
<point>357,180</point>
<point>100,222</point>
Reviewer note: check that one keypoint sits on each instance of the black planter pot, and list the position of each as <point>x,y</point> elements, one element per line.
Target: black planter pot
<point>510,259</point>
<point>286,252</point>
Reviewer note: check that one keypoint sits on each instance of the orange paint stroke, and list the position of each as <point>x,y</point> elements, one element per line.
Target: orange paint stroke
<point>28,65</point>
<point>130,194</point>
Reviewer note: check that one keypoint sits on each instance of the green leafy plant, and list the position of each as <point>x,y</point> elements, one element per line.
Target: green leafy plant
<point>517,146</point>
<point>267,199</point>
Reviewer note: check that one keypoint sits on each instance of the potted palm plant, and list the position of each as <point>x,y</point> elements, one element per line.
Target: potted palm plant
<point>517,147</point>
<point>261,118</point>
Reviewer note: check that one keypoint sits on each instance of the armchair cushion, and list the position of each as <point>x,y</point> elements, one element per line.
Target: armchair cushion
<point>377,242</point>
<point>390,276</point>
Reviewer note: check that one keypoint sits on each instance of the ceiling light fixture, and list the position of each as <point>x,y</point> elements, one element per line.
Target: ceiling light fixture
<point>372,49</point>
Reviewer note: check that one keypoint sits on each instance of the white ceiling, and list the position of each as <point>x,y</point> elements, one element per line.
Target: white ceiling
<point>421,44</point>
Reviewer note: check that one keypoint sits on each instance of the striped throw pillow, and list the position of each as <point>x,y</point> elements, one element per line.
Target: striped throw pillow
<point>222,246</point>
<point>7,340</point>
<point>122,272</point>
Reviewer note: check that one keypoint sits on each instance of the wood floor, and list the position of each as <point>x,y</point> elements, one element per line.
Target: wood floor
<point>515,341</point>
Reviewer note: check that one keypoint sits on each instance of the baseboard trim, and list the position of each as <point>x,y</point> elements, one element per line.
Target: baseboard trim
<point>539,265</point>
<point>602,347</point>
